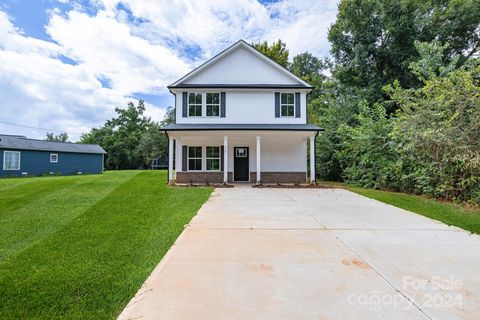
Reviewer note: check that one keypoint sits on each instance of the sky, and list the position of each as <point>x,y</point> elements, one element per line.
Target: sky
<point>65,65</point>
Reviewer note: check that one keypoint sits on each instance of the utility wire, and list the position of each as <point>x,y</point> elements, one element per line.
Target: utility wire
<point>31,127</point>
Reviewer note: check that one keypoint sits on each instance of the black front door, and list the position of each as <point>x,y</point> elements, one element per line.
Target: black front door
<point>240,164</point>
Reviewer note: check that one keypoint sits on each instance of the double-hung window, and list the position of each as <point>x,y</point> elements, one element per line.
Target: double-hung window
<point>213,104</point>
<point>194,158</point>
<point>213,158</point>
<point>287,105</point>
<point>11,160</point>
<point>53,158</point>
<point>194,104</point>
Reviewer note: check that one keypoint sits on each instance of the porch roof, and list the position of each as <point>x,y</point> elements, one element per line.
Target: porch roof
<point>240,126</point>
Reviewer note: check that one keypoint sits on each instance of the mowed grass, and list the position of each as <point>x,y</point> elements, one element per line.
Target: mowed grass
<point>80,247</point>
<point>448,213</point>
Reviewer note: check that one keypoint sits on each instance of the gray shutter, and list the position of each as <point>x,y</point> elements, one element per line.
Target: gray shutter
<point>297,104</point>
<point>184,158</point>
<point>184,104</point>
<point>222,104</point>
<point>222,150</point>
<point>277,104</point>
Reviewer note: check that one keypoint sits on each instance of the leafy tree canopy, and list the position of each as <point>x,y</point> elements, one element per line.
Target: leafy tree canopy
<point>277,51</point>
<point>132,140</point>
<point>373,40</point>
<point>62,137</point>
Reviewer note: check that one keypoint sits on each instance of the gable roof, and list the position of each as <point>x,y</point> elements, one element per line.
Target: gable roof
<point>239,44</point>
<point>23,143</point>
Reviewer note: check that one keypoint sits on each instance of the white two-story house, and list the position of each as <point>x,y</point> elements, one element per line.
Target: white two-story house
<point>241,117</point>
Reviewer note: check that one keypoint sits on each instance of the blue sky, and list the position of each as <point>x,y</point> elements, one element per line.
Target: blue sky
<point>65,65</point>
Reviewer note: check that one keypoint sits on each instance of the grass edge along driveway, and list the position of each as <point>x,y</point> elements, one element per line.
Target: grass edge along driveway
<point>449,213</point>
<point>91,266</point>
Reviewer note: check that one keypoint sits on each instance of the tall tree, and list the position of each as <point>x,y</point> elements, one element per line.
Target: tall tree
<point>311,69</point>
<point>124,136</point>
<point>373,40</point>
<point>62,137</point>
<point>277,51</point>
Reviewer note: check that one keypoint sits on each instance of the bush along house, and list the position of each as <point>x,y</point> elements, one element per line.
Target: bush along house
<point>241,117</point>
<point>29,157</point>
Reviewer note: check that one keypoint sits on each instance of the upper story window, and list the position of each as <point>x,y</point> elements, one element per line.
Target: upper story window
<point>194,158</point>
<point>213,104</point>
<point>287,104</point>
<point>194,104</point>
<point>11,160</point>
<point>53,158</point>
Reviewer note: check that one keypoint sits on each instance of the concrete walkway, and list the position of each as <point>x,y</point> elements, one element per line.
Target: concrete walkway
<point>312,254</point>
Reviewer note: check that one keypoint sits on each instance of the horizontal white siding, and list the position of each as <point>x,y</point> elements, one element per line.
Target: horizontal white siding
<point>255,106</point>
<point>278,154</point>
<point>241,67</point>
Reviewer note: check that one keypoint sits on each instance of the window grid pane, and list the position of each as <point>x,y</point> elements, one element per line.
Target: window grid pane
<point>213,158</point>
<point>213,110</point>
<point>194,104</point>
<point>213,164</point>
<point>287,106</point>
<point>194,158</point>
<point>12,160</point>
<point>195,110</point>
<point>213,104</point>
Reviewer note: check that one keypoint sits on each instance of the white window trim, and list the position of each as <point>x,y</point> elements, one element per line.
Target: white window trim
<point>287,104</point>
<point>53,154</point>
<point>219,159</point>
<point>188,158</point>
<point>213,104</point>
<point>202,105</point>
<point>5,162</point>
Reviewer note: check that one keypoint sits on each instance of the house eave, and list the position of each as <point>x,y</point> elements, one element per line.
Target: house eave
<point>240,86</point>
<point>185,128</point>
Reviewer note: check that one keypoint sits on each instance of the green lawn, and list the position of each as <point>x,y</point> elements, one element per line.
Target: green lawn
<point>449,213</point>
<point>79,247</point>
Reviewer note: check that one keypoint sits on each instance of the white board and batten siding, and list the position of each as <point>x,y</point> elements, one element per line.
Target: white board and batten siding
<point>241,66</point>
<point>243,106</point>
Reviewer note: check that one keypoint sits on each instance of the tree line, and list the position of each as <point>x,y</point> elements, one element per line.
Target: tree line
<point>131,139</point>
<point>399,98</point>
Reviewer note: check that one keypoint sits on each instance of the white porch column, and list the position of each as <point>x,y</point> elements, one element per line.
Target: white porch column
<point>175,159</point>
<point>225,159</point>
<point>170,159</point>
<point>312,159</point>
<point>258,160</point>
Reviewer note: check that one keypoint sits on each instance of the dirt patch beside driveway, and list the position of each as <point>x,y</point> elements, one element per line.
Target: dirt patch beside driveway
<point>265,253</point>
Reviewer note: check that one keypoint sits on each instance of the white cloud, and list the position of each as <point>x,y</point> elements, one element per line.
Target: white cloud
<point>213,25</point>
<point>136,51</point>
<point>106,47</point>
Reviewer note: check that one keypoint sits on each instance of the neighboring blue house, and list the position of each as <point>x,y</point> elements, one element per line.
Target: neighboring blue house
<point>21,156</point>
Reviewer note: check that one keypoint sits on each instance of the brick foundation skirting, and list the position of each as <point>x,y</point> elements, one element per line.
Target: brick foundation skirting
<point>279,177</point>
<point>201,177</point>
<point>217,177</point>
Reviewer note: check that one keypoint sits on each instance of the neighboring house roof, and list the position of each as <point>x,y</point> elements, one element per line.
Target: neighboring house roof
<point>241,126</point>
<point>23,143</point>
<point>239,44</point>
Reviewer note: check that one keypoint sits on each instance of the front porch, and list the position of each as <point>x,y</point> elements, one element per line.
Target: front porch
<point>212,157</point>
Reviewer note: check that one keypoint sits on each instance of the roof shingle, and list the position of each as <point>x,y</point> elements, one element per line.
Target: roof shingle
<point>23,143</point>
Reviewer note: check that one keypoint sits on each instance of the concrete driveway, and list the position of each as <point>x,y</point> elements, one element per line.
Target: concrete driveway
<point>312,254</point>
